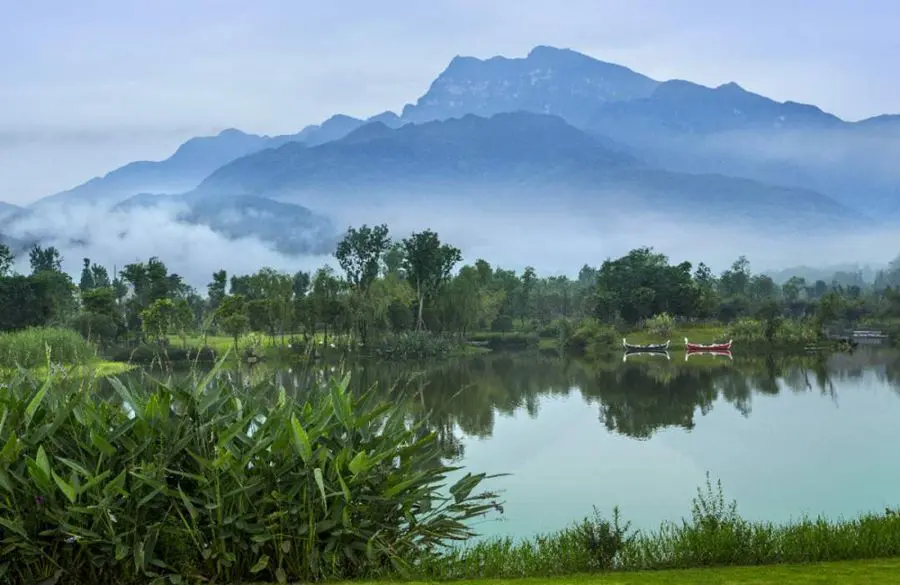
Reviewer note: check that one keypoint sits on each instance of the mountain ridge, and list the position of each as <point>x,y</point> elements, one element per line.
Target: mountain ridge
<point>520,155</point>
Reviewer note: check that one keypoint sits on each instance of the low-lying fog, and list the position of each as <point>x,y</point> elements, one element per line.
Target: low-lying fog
<point>553,240</point>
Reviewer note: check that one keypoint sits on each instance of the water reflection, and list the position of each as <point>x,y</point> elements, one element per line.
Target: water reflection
<point>787,435</point>
<point>637,397</point>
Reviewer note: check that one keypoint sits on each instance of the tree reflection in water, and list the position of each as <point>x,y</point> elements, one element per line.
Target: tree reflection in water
<point>637,398</point>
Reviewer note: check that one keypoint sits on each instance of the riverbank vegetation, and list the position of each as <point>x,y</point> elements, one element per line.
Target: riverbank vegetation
<point>209,477</point>
<point>418,295</point>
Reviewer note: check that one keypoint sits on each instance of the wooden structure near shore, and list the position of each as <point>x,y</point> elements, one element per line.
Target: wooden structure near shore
<point>857,336</point>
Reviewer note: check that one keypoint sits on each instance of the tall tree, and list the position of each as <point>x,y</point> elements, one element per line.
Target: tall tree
<point>428,264</point>
<point>360,254</point>
<point>217,289</point>
<point>6,259</point>
<point>44,259</point>
<point>87,277</point>
<point>100,276</point>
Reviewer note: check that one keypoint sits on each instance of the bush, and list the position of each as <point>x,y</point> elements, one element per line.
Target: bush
<point>782,332</point>
<point>214,480</point>
<point>513,340</point>
<point>553,330</point>
<point>415,345</point>
<point>29,348</point>
<point>590,336</point>
<point>661,325</point>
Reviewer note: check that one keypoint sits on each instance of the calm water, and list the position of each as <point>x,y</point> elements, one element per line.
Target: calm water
<point>787,436</point>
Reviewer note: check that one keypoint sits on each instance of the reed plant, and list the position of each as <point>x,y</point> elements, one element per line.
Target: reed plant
<point>713,535</point>
<point>213,478</point>
<point>29,348</point>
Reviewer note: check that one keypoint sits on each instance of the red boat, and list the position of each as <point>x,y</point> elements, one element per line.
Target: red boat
<point>711,347</point>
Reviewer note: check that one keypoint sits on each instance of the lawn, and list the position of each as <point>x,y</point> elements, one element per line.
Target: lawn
<point>876,572</point>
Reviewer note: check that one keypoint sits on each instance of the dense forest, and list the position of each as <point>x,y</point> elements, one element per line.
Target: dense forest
<point>419,283</point>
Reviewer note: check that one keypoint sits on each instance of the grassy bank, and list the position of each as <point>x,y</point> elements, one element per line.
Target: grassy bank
<point>31,348</point>
<point>67,351</point>
<point>870,572</point>
<point>714,535</point>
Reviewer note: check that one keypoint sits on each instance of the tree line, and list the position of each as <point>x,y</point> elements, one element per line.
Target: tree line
<point>418,283</point>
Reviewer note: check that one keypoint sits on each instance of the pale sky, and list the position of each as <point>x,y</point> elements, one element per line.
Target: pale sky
<point>90,85</point>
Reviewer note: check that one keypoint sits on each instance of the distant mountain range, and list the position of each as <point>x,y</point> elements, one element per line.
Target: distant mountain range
<point>8,209</point>
<point>554,124</point>
<point>519,156</point>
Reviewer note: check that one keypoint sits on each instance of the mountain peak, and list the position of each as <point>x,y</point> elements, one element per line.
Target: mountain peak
<point>548,80</point>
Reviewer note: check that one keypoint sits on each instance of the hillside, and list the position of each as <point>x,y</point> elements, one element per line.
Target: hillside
<point>292,229</point>
<point>526,157</point>
<point>7,209</point>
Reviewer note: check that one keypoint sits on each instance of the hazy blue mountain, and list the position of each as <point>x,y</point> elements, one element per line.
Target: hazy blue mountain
<point>7,209</point>
<point>468,149</point>
<point>826,273</point>
<point>548,81</point>
<point>194,160</point>
<point>182,171</point>
<point>687,127</point>
<point>291,228</point>
<point>676,125</point>
<point>520,156</point>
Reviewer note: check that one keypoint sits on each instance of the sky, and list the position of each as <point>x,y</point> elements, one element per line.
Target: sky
<point>91,85</point>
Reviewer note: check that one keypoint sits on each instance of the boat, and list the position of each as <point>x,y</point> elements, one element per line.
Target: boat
<point>630,354</point>
<point>657,347</point>
<point>719,353</point>
<point>707,347</point>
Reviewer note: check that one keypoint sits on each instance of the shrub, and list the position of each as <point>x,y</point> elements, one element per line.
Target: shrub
<point>661,325</point>
<point>29,348</point>
<point>415,344</point>
<point>213,480</point>
<point>590,336</point>
<point>510,340</point>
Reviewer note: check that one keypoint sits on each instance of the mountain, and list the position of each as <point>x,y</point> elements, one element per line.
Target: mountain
<point>865,274</point>
<point>195,159</point>
<point>687,127</point>
<point>7,209</point>
<point>182,171</point>
<point>292,229</point>
<point>548,81</point>
<point>519,158</point>
<point>469,149</point>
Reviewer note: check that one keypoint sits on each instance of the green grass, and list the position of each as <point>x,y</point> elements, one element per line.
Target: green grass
<point>874,572</point>
<point>29,348</point>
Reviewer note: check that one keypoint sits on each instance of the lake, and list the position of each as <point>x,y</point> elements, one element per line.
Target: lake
<point>786,435</point>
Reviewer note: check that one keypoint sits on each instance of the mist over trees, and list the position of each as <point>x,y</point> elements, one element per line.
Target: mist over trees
<point>418,283</point>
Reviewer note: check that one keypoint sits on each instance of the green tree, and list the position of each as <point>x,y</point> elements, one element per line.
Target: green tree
<point>6,259</point>
<point>232,317</point>
<point>100,276</point>
<point>87,277</point>
<point>217,289</point>
<point>360,254</point>
<point>44,259</point>
<point>428,264</point>
<point>158,319</point>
